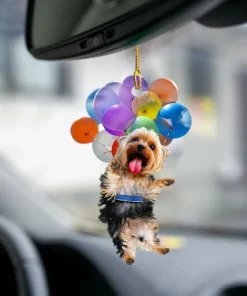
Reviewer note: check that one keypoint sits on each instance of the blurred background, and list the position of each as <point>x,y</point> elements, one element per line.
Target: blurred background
<point>40,100</point>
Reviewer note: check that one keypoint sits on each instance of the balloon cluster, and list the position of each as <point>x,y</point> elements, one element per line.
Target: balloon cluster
<point>121,109</point>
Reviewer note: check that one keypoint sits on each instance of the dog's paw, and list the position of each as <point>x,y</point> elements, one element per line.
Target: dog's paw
<point>130,261</point>
<point>164,251</point>
<point>115,165</point>
<point>169,181</point>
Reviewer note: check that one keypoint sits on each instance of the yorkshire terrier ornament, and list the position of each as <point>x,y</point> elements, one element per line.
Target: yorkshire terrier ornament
<point>129,191</point>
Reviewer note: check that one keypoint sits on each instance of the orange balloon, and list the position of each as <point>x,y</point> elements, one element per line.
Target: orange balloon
<point>84,130</point>
<point>164,140</point>
<point>166,89</point>
<point>114,147</point>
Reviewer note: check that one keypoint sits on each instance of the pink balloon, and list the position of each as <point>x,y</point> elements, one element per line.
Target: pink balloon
<point>118,118</point>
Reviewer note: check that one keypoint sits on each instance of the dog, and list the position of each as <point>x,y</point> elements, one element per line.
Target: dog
<point>129,191</point>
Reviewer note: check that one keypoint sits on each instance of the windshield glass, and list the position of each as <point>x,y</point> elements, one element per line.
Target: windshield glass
<point>40,100</point>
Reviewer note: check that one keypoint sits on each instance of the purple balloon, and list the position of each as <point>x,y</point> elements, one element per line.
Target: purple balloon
<point>125,91</point>
<point>104,98</point>
<point>129,81</point>
<point>114,133</point>
<point>118,118</point>
<point>115,86</point>
<point>125,96</point>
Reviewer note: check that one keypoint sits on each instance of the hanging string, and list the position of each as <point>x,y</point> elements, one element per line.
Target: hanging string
<point>107,148</point>
<point>137,73</point>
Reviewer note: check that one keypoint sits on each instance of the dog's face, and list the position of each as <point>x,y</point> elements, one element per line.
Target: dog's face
<point>141,152</point>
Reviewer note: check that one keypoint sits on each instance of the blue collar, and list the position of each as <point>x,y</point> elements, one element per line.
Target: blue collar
<point>129,198</point>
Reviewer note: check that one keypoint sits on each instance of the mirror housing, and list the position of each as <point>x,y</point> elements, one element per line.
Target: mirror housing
<point>150,20</point>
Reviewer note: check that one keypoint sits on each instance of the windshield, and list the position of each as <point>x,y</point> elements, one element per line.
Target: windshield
<point>40,100</point>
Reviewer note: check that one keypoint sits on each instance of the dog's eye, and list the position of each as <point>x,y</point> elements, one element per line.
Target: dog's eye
<point>152,146</point>
<point>134,140</point>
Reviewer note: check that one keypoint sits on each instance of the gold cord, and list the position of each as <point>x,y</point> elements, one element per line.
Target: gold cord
<point>137,73</point>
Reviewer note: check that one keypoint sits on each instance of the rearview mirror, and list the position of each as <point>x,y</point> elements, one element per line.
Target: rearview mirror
<point>66,29</point>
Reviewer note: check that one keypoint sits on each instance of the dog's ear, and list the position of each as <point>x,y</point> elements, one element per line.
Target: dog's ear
<point>166,152</point>
<point>121,139</point>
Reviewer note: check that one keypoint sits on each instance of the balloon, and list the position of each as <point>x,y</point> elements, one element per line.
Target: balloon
<point>118,118</point>
<point>143,121</point>
<point>129,82</point>
<point>90,104</point>
<point>136,92</point>
<point>138,102</point>
<point>114,133</point>
<point>102,146</point>
<point>84,130</point>
<point>148,104</point>
<point>125,96</point>
<point>166,89</point>
<point>174,121</point>
<point>164,140</point>
<point>115,86</point>
<point>104,98</point>
<point>114,147</point>
<point>125,92</point>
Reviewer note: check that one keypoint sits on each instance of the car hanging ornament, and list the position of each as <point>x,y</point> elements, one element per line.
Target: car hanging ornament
<point>130,127</point>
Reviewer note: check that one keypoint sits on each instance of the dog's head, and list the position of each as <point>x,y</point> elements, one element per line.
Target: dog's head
<point>141,152</point>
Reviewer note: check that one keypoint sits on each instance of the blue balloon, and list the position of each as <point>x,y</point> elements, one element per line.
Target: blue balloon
<point>90,105</point>
<point>174,121</point>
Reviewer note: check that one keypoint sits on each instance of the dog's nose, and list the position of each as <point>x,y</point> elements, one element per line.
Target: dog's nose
<point>141,238</point>
<point>140,147</point>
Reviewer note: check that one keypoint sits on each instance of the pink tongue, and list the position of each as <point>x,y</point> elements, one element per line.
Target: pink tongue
<point>135,166</point>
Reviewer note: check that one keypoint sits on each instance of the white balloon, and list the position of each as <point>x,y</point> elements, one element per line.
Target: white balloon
<point>102,146</point>
<point>136,92</point>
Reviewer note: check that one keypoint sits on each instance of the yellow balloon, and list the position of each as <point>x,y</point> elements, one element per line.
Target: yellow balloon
<point>148,104</point>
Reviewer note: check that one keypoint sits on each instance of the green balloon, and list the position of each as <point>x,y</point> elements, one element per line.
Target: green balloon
<point>143,121</point>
